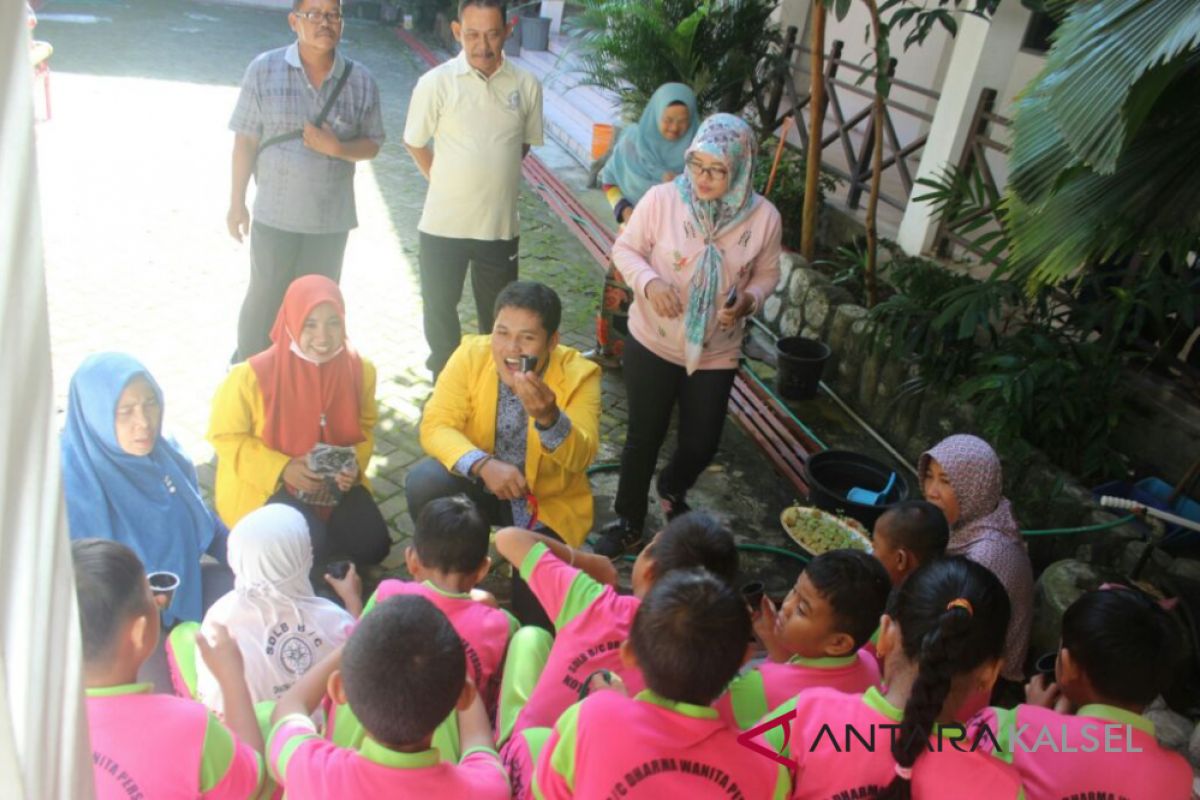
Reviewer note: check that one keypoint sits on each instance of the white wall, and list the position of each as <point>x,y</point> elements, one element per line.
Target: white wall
<point>44,752</point>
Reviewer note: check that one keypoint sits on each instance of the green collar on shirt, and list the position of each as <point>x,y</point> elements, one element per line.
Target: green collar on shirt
<point>831,662</point>
<point>385,756</point>
<point>1114,714</point>
<point>446,593</point>
<point>687,709</point>
<point>124,688</point>
<point>873,698</point>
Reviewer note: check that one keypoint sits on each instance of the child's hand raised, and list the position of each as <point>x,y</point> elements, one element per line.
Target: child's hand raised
<point>221,655</point>
<point>485,597</point>
<point>765,629</point>
<point>1041,691</point>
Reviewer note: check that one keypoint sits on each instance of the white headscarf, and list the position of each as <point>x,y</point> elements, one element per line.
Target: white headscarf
<point>280,626</point>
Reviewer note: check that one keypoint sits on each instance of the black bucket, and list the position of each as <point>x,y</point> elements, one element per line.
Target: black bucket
<point>801,362</point>
<point>833,473</point>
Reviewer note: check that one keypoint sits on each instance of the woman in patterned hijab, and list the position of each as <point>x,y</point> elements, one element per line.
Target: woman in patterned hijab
<point>961,475</point>
<point>701,253</point>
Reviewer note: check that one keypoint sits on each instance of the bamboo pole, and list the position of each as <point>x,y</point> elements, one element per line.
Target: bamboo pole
<point>816,115</point>
<point>783,134</point>
<point>882,82</point>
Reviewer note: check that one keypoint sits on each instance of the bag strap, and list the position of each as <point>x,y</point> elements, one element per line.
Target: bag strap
<point>319,121</point>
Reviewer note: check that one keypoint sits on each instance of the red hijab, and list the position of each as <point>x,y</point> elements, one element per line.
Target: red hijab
<point>297,393</point>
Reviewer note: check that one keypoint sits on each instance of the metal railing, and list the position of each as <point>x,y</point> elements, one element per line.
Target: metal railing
<point>900,156</point>
<point>973,166</point>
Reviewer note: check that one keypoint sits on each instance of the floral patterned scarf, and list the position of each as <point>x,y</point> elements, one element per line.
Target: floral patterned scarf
<point>731,140</point>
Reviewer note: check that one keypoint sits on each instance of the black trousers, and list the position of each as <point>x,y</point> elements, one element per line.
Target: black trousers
<point>653,387</point>
<point>444,264</point>
<point>355,530</point>
<point>276,259</point>
<point>429,480</point>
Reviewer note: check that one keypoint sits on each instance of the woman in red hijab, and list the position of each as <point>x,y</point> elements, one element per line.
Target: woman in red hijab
<point>295,425</point>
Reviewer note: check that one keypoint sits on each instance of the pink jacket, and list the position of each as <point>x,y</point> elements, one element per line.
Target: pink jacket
<point>660,241</point>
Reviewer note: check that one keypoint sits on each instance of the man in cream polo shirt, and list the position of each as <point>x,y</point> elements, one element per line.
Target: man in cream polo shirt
<point>481,115</point>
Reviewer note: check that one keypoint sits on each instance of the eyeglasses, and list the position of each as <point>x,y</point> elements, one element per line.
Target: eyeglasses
<point>332,17</point>
<point>717,173</point>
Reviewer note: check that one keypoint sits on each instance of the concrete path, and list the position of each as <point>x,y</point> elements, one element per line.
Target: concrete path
<point>134,170</point>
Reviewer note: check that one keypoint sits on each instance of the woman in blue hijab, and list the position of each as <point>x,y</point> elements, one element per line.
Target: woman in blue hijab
<point>646,154</point>
<point>125,481</point>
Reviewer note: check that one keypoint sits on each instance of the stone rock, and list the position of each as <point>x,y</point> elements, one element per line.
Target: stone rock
<point>802,281</point>
<point>1173,730</point>
<point>841,327</point>
<point>1157,565</point>
<point>820,301</point>
<point>1193,751</point>
<point>791,284</point>
<point>771,309</point>
<point>1060,585</point>
<point>790,321</point>
<point>1185,568</point>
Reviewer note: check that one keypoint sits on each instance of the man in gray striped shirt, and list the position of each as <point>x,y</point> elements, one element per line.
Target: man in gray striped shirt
<point>304,175</point>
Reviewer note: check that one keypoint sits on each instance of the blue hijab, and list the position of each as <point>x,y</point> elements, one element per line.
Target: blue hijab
<point>641,154</point>
<point>151,503</point>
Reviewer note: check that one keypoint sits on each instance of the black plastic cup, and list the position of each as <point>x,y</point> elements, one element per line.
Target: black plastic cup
<point>163,585</point>
<point>1045,664</point>
<point>752,593</point>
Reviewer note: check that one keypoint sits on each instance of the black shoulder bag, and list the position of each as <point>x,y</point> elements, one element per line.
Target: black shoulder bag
<point>318,122</point>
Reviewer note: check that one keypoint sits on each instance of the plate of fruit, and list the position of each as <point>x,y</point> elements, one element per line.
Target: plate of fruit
<point>818,531</point>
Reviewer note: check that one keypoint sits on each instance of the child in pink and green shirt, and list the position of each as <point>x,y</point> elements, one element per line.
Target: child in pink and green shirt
<point>815,639</point>
<point>143,744</point>
<point>592,621</point>
<point>688,640</point>
<point>1119,651</point>
<point>941,639</point>
<point>447,559</point>
<point>402,672</point>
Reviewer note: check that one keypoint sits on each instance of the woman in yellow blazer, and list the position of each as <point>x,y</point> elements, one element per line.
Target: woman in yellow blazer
<point>515,436</point>
<point>295,425</point>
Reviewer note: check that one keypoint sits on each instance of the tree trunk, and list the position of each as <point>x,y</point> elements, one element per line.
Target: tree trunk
<point>816,115</point>
<point>882,83</point>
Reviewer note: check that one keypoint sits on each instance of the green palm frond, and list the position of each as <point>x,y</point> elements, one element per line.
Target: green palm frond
<point>1104,162</point>
<point>1103,51</point>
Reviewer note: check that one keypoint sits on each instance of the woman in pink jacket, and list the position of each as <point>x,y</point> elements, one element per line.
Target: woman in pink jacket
<point>701,253</point>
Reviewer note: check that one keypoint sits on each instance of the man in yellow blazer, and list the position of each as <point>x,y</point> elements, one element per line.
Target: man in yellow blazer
<point>513,423</point>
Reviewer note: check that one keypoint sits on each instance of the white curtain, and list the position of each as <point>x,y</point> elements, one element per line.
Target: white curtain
<point>44,751</point>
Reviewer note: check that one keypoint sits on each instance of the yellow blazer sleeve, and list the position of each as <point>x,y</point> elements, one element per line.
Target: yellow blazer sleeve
<point>582,407</point>
<point>234,431</point>
<point>448,411</point>
<point>368,415</point>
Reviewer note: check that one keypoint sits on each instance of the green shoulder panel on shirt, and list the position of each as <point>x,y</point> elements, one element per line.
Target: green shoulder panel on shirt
<point>1006,725</point>
<point>370,605</point>
<point>774,736</point>
<point>582,592</point>
<point>562,760</point>
<point>513,623</point>
<point>748,698</point>
<point>279,767</point>
<point>217,755</point>
<point>783,784</point>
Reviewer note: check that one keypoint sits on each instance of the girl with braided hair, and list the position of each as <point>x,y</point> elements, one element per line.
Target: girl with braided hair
<point>941,639</point>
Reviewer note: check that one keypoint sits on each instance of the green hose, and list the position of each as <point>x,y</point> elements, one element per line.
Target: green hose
<point>754,548</point>
<point>1102,526</point>
<point>606,466</point>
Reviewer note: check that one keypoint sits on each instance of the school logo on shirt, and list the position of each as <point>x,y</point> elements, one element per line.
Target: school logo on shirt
<point>293,647</point>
